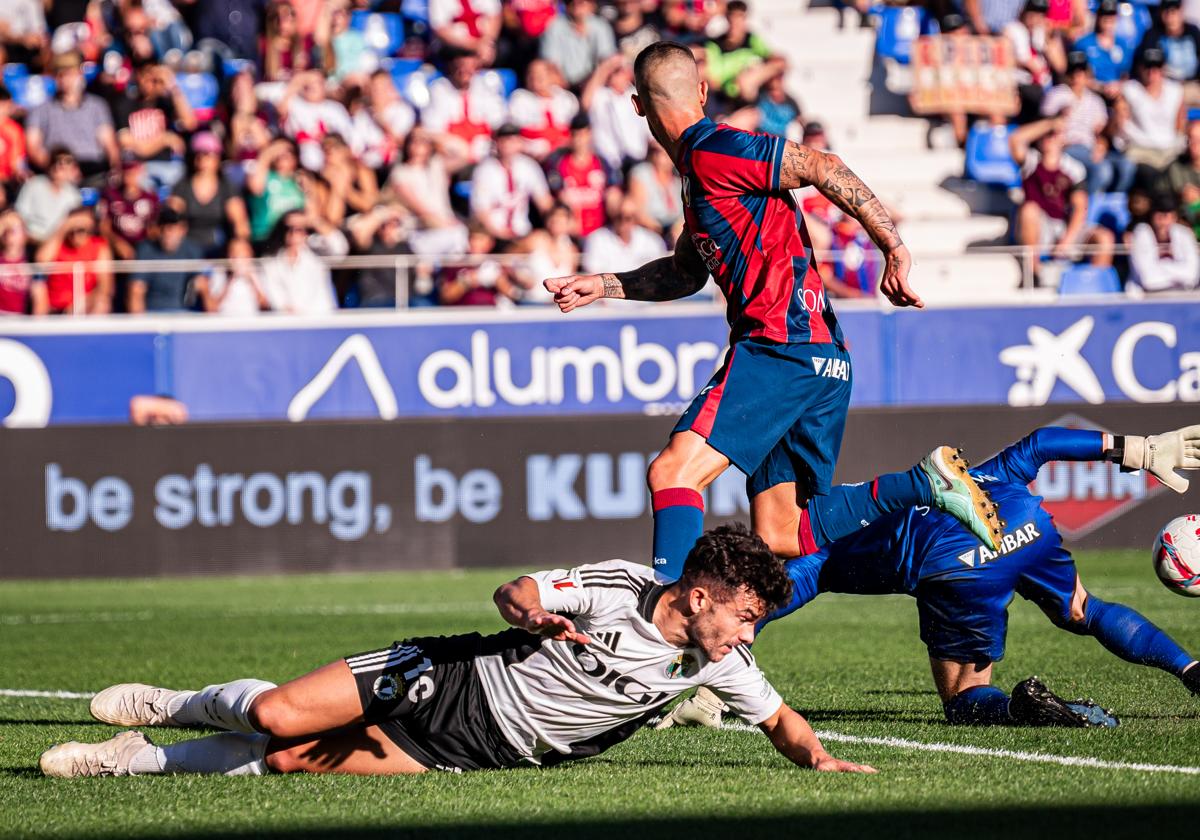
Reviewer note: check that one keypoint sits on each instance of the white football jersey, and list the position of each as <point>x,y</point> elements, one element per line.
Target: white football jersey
<point>557,700</point>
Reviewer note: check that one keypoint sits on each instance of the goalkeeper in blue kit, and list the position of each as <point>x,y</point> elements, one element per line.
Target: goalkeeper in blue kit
<point>963,588</point>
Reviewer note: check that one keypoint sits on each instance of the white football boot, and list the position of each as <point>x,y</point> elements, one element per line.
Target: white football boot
<point>135,704</point>
<point>74,760</point>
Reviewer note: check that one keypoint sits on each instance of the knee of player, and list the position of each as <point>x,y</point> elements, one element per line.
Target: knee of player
<point>664,472</point>
<point>270,714</point>
<point>286,760</point>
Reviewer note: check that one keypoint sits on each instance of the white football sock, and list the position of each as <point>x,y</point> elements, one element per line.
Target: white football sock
<point>224,706</point>
<point>229,753</point>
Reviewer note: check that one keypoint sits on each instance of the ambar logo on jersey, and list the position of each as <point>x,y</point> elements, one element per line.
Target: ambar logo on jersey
<point>1084,495</point>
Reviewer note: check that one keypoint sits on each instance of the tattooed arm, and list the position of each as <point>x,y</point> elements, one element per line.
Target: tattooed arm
<point>669,278</point>
<point>803,166</point>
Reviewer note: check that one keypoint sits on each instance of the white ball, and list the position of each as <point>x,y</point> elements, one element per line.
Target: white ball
<point>1177,555</point>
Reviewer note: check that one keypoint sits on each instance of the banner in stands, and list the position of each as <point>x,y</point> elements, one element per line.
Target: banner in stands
<point>648,360</point>
<point>965,74</point>
<point>429,494</point>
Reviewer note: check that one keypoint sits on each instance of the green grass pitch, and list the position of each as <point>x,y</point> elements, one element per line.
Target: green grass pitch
<point>854,665</point>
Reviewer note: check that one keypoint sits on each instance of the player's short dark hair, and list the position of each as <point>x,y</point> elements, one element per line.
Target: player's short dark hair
<point>730,557</point>
<point>655,54</point>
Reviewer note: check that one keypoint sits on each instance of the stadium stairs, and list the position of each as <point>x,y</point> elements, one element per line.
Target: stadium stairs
<point>839,81</point>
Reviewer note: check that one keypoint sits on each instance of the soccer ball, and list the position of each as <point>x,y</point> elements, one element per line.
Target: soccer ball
<point>1177,555</point>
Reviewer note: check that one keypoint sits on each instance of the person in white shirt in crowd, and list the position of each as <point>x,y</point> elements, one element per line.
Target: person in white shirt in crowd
<point>654,189</point>
<point>45,200</point>
<point>618,133</point>
<point>421,184</point>
<point>296,280</point>
<point>1037,51</point>
<point>1153,113</point>
<point>467,25</point>
<point>308,115</point>
<point>1163,255</point>
<point>239,289</point>
<point>464,109</point>
<point>578,41</point>
<point>503,186</point>
<point>389,112</point>
<point>622,245</point>
<point>1086,118</point>
<point>550,252</point>
<point>543,109</point>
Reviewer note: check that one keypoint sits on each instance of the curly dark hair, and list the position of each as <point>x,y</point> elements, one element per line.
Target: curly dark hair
<point>732,556</point>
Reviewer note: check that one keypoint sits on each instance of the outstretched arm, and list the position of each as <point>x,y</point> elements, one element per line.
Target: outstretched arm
<point>794,738</point>
<point>669,278</point>
<point>521,606</point>
<point>803,166</point>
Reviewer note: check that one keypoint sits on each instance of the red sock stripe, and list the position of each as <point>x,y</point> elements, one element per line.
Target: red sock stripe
<point>674,496</point>
<point>807,543</point>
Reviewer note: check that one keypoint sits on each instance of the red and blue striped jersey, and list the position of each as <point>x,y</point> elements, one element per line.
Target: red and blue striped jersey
<point>752,236</point>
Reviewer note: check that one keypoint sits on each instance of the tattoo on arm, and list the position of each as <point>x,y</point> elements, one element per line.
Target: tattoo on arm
<point>668,278</point>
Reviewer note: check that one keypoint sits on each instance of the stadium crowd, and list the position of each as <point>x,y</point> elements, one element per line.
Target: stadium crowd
<point>291,130</point>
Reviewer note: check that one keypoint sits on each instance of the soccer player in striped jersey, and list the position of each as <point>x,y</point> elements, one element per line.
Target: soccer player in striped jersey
<point>594,653</point>
<point>777,407</point>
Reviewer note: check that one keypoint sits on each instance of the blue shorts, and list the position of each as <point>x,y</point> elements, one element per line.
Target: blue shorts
<point>777,412</point>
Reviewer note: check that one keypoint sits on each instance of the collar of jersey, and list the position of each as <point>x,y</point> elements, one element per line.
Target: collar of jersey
<point>698,130</point>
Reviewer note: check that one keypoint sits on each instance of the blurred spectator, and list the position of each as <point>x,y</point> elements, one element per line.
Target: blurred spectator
<point>153,410</point>
<point>235,23</point>
<point>379,233</point>
<point>1180,44</point>
<point>389,113</point>
<point>740,62</point>
<point>423,187</point>
<point>578,41</point>
<point>248,123</point>
<point>581,180</point>
<point>1110,61</point>
<point>151,123</point>
<point>45,200</point>
<point>989,17</point>
<point>1054,215</point>
<point>1184,177</point>
<point>23,31</point>
<point>84,257</point>
<point>503,186</point>
<point>211,205</point>
<point>486,284</point>
<point>522,25</point>
<point>467,25</point>
<point>621,246</point>
<point>684,21</point>
<point>858,264</point>
<point>127,210</point>
<point>308,115</point>
<point>1163,255</point>
<point>350,181</point>
<point>132,43</point>
<point>1155,113</point>
<point>1086,118</point>
<point>167,30</point>
<point>345,54</point>
<point>237,290</point>
<point>20,291</point>
<point>1069,17</point>
<point>273,188</point>
<point>13,163</point>
<point>654,190</point>
<point>776,109</point>
<point>549,253</point>
<point>158,289</point>
<point>543,109</point>
<point>633,33</point>
<point>285,51</point>
<point>619,134</point>
<point>463,111</point>
<point>295,279</point>
<point>1038,54</point>
<point>77,120</point>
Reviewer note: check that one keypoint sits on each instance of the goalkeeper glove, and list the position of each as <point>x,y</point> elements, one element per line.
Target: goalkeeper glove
<point>1161,455</point>
<point>701,709</point>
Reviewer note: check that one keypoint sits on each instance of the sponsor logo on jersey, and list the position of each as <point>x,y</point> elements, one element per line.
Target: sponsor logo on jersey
<point>622,684</point>
<point>832,368</point>
<point>1085,495</point>
<point>1011,541</point>
<point>683,665</point>
<point>386,687</point>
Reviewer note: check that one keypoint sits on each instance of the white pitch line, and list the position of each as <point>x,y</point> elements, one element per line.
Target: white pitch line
<point>58,695</point>
<point>1015,755</point>
<point>116,617</point>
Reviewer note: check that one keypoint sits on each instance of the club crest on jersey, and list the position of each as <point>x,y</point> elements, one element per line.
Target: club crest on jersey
<point>1011,542</point>
<point>832,368</point>
<point>683,665</point>
<point>386,688</point>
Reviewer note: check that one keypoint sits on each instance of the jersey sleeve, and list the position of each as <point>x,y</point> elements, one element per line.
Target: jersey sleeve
<point>733,162</point>
<point>744,688</point>
<point>590,589</point>
<point>1020,462</point>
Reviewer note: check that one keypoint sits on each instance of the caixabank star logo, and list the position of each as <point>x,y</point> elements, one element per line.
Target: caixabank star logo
<point>1084,495</point>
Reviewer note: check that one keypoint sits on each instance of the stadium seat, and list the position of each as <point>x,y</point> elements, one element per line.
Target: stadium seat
<point>233,66</point>
<point>15,72</point>
<point>502,79</point>
<point>898,28</point>
<point>30,91</point>
<point>384,31</point>
<point>413,85</point>
<point>988,159</point>
<point>1089,280</point>
<point>1110,210</point>
<point>201,91</point>
<point>416,15</point>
